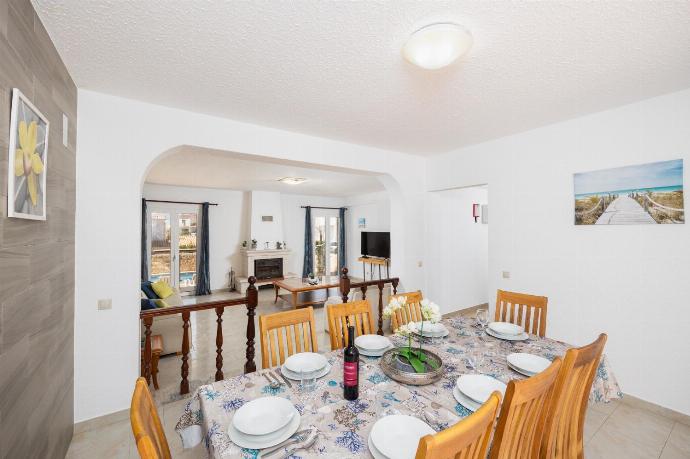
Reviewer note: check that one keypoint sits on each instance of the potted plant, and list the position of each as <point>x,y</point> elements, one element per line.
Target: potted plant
<point>254,244</point>
<point>410,358</point>
<point>244,244</point>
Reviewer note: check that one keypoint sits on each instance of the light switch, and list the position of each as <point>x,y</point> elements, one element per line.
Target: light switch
<point>105,304</point>
<point>506,274</point>
<point>419,264</point>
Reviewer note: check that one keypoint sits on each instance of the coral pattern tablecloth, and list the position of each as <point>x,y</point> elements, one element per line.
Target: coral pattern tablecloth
<point>344,426</point>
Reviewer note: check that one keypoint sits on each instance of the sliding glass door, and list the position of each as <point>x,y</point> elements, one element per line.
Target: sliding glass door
<point>325,237</point>
<point>172,244</point>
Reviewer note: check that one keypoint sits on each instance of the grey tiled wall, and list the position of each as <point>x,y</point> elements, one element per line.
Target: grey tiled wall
<point>37,257</point>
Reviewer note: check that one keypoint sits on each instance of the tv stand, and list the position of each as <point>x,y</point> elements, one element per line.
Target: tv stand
<point>374,261</point>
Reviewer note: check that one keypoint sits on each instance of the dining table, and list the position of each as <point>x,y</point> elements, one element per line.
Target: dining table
<point>343,426</point>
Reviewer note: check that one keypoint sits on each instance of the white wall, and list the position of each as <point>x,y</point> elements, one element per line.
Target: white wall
<point>118,141</point>
<point>225,221</point>
<point>293,223</point>
<point>457,253</point>
<point>628,281</point>
<point>266,203</point>
<point>375,208</point>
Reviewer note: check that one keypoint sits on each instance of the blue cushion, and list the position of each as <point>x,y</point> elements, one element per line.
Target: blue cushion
<point>148,304</point>
<point>148,290</point>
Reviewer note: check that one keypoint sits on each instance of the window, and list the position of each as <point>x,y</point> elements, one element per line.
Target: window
<point>325,237</point>
<point>173,242</point>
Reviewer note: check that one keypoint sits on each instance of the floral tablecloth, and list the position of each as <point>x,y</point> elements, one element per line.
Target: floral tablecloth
<point>344,426</point>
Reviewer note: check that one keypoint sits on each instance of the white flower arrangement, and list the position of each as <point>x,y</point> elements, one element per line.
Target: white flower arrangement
<point>395,304</point>
<point>430,311</point>
<point>407,330</point>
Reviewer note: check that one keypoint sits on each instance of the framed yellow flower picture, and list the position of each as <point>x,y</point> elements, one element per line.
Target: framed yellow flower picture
<point>28,160</point>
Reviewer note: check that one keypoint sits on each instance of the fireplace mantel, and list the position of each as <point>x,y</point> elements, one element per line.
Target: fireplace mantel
<point>250,255</point>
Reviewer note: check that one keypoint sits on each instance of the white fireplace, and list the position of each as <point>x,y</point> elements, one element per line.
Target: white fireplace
<point>250,256</point>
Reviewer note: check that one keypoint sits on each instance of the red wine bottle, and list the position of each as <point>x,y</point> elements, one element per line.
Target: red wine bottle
<point>351,367</point>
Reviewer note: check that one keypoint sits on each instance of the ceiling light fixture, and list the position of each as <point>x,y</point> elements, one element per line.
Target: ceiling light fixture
<point>292,180</point>
<point>437,45</point>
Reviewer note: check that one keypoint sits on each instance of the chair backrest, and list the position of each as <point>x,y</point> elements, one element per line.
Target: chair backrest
<point>522,309</point>
<point>565,421</point>
<point>286,333</point>
<point>411,312</point>
<point>358,313</point>
<point>146,425</point>
<point>467,439</point>
<point>523,413</point>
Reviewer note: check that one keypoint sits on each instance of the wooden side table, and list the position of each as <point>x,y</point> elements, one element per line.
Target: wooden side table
<point>374,262</point>
<point>156,350</point>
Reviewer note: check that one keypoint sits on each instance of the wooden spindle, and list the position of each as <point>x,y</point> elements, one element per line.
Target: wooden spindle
<point>148,321</point>
<point>363,288</point>
<point>380,330</point>
<point>344,285</point>
<point>219,343</point>
<point>252,301</point>
<point>395,286</point>
<point>184,384</point>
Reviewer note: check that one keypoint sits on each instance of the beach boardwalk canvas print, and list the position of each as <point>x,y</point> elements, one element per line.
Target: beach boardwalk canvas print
<point>631,195</point>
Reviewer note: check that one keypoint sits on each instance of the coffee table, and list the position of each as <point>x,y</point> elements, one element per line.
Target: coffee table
<point>311,294</point>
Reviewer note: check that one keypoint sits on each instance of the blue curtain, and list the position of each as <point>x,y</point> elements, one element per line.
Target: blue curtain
<point>144,256</point>
<point>342,260</point>
<point>308,264</point>
<point>203,282</point>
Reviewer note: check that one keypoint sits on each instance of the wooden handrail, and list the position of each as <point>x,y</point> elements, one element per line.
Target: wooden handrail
<point>346,285</point>
<point>251,300</point>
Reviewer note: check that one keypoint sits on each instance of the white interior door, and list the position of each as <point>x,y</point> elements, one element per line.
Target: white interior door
<point>173,244</point>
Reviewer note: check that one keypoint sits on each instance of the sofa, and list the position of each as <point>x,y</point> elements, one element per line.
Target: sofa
<point>168,327</point>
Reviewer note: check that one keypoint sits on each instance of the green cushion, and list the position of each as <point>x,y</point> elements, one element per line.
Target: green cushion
<point>162,289</point>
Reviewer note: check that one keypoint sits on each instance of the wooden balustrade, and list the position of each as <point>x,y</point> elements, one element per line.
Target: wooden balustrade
<point>251,301</point>
<point>346,285</point>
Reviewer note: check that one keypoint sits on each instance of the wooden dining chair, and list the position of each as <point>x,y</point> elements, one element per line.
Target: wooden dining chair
<point>467,439</point>
<point>565,420</point>
<point>286,333</point>
<point>146,425</point>
<point>358,313</point>
<point>411,312</point>
<point>521,422</point>
<point>522,309</point>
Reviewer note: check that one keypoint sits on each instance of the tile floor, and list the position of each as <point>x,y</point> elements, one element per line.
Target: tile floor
<point>614,430</point>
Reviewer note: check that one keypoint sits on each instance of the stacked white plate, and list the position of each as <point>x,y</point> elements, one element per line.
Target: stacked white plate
<point>372,345</point>
<point>397,436</point>
<point>309,364</point>
<point>506,331</point>
<point>471,391</point>
<point>527,364</point>
<point>264,422</point>
<point>432,330</point>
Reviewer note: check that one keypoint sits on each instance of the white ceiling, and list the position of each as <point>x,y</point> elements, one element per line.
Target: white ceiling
<point>334,69</point>
<point>199,167</point>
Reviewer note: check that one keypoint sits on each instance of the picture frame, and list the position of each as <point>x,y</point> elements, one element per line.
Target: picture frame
<point>27,160</point>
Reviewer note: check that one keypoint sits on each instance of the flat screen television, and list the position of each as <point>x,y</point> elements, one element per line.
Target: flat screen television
<point>376,244</point>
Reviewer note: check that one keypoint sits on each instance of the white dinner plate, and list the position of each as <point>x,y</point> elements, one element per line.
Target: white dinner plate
<point>263,415</point>
<point>521,337</point>
<point>464,400</point>
<point>479,387</point>
<point>437,327</point>
<point>522,372</point>
<point>372,342</point>
<point>307,362</point>
<point>295,376</point>
<point>375,452</point>
<point>264,441</point>
<point>397,436</point>
<point>506,328</point>
<point>370,353</point>
<point>528,364</point>
<point>437,332</point>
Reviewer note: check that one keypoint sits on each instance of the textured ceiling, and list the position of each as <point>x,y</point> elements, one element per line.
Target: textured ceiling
<point>334,69</point>
<point>199,167</point>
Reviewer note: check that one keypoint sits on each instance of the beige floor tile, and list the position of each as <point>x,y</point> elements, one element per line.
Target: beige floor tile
<point>593,421</point>
<point>605,408</point>
<point>630,433</point>
<point>678,444</point>
<point>114,441</point>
